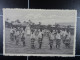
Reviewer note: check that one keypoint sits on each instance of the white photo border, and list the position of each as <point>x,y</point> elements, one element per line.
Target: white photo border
<point>51,55</point>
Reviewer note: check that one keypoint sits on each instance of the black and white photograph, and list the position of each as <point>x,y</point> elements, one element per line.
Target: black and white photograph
<point>39,32</point>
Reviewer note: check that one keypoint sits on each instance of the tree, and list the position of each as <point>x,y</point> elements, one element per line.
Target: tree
<point>49,27</point>
<point>7,19</point>
<point>33,23</point>
<point>24,22</point>
<point>57,27</point>
<point>39,23</point>
<point>12,22</point>
<point>18,21</point>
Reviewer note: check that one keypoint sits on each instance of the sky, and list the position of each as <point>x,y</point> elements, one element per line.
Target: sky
<point>40,15</point>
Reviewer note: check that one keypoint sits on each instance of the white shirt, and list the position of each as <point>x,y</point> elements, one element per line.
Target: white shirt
<point>58,36</point>
<point>23,32</point>
<point>32,35</point>
<point>17,33</point>
<point>42,31</point>
<point>52,36</point>
<point>64,33</point>
<point>68,36</point>
<point>40,35</point>
<point>61,32</point>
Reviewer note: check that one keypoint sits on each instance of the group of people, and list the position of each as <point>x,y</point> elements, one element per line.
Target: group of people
<point>17,34</point>
<point>57,36</point>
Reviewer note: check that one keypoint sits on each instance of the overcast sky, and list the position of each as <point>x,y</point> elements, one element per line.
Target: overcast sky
<point>40,15</point>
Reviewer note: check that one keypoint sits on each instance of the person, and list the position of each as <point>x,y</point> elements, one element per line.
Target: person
<point>12,34</point>
<point>28,29</point>
<point>67,39</point>
<point>17,37</point>
<point>36,32</point>
<point>40,39</point>
<point>63,34</point>
<point>58,39</point>
<point>15,33</point>
<point>51,39</point>
<point>23,38</point>
<point>32,40</point>
<point>42,34</point>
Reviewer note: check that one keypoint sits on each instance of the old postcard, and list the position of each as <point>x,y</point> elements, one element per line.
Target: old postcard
<point>39,32</point>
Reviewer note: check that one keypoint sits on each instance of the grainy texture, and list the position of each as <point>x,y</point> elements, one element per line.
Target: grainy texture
<point>45,20</point>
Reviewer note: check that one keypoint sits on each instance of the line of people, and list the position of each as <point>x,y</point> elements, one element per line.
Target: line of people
<point>17,34</point>
<point>57,36</point>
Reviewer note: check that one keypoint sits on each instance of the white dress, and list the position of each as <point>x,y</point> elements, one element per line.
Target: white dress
<point>40,35</point>
<point>28,31</point>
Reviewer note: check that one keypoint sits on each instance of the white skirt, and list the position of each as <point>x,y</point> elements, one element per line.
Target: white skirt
<point>28,32</point>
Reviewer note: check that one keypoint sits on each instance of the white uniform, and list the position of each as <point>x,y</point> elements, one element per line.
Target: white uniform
<point>28,31</point>
<point>40,35</point>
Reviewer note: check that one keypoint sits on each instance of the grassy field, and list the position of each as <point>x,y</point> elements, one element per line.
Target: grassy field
<point>12,48</point>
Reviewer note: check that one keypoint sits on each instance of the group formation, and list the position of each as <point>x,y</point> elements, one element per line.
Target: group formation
<point>57,36</point>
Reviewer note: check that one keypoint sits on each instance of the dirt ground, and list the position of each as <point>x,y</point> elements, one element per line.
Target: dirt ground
<point>12,48</point>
